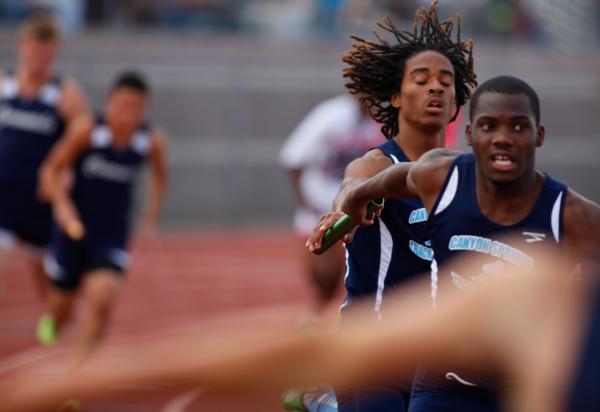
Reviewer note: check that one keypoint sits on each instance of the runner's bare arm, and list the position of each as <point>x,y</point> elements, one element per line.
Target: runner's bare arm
<point>360,170</point>
<point>51,175</point>
<point>423,178</point>
<point>497,315</point>
<point>158,178</point>
<point>357,171</point>
<point>581,228</point>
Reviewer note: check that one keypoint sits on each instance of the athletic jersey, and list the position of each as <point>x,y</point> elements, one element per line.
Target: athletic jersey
<point>28,129</point>
<point>104,182</point>
<point>393,249</point>
<point>458,228</point>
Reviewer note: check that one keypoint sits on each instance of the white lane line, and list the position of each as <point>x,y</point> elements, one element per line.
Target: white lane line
<point>181,402</point>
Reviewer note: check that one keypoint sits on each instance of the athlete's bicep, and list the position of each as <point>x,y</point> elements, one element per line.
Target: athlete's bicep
<point>360,170</point>
<point>53,172</point>
<point>367,166</point>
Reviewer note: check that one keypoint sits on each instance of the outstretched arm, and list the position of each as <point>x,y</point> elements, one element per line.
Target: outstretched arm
<point>357,171</point>
<point>486,330</point>
<point>423,178</point>
<point>51,183</point>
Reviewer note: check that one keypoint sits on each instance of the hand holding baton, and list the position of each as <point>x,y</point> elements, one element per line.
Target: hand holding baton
<point>344,225</point>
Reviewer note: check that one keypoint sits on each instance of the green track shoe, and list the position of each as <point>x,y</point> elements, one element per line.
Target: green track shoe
<point>293,402</point>
<point>47,332</point>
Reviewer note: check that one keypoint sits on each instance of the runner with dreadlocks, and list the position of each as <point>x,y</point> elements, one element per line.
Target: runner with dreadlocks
<point>414,87</point>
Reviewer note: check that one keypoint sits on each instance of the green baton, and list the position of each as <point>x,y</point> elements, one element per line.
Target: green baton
<point>343,226</point>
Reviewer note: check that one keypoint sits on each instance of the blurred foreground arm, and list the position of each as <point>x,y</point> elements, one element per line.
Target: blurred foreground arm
<point>158,181</point>
<point>487,330</point>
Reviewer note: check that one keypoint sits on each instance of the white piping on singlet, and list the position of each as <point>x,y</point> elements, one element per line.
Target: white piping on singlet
<point>141,143</point>
<point>454,376</point>
<point>50,94</point>
<point>347,258</point>
<point>555,218</point>
<point>434,282</point>
<point>446,199</point>
<point>7,239</point>
<point>101,136</point>
<point>52,268</point>
<point>10,87</point>
<point>449,193</point>
<point>385,257</point>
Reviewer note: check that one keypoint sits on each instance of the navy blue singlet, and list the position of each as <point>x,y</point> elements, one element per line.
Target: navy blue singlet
<point>458,228</point>
<point>104,180</point>
<point>29,127</point>
<point>28,130</point>
<point>391,250</point>
<point>380,257</point>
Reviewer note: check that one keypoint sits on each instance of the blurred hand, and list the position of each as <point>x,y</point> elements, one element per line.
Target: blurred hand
<point>42,194</point>
<point>45,189</point>
<point>68,219</point>
<point>327,220</point>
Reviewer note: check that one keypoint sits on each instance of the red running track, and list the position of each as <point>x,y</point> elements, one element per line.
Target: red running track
<point>184,280</point>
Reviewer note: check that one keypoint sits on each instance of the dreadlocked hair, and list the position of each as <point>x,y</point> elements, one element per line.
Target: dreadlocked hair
<point>376,68</point>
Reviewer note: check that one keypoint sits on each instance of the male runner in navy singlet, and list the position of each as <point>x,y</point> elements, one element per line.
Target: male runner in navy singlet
<point>35,107</point>
<point>473,199</point>
<point>90,242</point>
<point>415,92</point>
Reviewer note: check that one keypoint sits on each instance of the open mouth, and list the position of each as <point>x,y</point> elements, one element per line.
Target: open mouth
<point>503,161</point>
<point>435,106</point>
